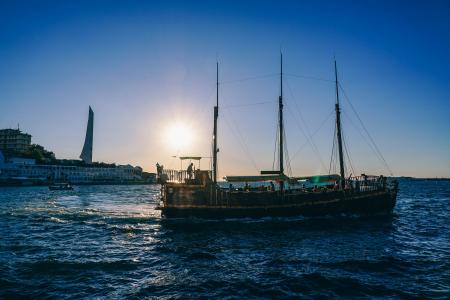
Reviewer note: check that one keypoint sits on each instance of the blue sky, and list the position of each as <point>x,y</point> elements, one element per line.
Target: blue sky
<point>144,66</point>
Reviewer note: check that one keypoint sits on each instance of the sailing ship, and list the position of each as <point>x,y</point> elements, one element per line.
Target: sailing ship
<point>200,196</point>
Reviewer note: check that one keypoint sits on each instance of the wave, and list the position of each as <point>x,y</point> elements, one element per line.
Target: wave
<point>111,243</point>
<point>65,267</point>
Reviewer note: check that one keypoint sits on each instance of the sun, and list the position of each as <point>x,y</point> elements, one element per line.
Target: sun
<point>179,136</point>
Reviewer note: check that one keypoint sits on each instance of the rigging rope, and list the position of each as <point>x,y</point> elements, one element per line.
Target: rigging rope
<point>197,114</point>
<point>308,137</point>
<point>367,132</point>
<point>286,152</point>
<point>249,78</point>
<point>333,149</point>
<point>348,156</point>
<point>314,133</point>
<point>365,139</point>
<point>245,104</point>
<point>309,77</point>
<point>276,144</point>
<point>313,147</point>
<point>241,140</point>
<point>307,134</point>
<point>211,155</point>
<point>336,159</point>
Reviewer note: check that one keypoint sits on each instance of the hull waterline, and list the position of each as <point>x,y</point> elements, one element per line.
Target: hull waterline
<point>313,204</point>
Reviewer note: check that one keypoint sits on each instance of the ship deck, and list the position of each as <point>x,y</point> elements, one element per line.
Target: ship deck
<point>180,200</point>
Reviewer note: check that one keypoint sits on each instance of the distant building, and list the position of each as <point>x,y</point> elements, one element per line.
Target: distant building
<point>86,153</point>
<point>26,170</point>
<point>13,140</point>
<point>22,161</point>
<point>18,168</point>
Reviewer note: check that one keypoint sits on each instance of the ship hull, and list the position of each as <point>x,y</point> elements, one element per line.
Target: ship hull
<point>313,204</point>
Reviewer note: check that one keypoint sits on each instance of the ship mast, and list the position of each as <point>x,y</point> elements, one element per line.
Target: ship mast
<point>338,131</point>
<point>280,119</point>
<point>216,115</point>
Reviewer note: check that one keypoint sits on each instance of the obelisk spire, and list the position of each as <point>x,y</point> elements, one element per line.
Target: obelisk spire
<point>86,153</point>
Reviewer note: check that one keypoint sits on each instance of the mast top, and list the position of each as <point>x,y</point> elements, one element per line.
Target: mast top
<point>339,131</point>
<point>217,83</point>
<point>336,81</point>
<point>281,74</point>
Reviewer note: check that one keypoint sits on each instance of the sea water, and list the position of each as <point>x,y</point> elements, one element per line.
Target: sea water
<point>110,242</point>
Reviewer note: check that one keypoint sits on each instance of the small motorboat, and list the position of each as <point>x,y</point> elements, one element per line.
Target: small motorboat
<point>61,186</point>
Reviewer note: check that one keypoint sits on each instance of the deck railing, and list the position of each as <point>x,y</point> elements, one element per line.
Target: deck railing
<point>355,184</point>
<point>180,176</point>
<point>366,183</point>
<point>173,175</point>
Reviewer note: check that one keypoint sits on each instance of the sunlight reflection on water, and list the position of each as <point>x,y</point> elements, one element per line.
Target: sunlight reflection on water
<point>109,241</point>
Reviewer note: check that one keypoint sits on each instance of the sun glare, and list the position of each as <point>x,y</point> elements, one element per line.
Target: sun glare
<point>179,136</point>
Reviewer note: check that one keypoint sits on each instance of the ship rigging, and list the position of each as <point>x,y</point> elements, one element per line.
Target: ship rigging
<point>203,196</point>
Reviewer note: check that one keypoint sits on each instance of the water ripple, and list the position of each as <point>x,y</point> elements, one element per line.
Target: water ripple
<point>110,242</point>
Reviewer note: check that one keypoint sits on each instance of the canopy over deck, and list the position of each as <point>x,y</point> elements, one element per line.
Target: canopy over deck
<point>319,178</point>
<point>256,178</point>
<point>313,179</point>
<point>191,157</point>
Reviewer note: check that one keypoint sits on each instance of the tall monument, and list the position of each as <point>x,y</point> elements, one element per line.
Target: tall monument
<point>86,154</point>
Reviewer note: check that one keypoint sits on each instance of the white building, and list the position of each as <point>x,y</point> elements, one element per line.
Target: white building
<point>27,169</point>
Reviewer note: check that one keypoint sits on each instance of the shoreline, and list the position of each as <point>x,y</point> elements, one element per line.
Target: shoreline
<point>78,184</point>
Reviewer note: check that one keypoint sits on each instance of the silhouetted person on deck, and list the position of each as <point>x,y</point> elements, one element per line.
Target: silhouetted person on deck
<point>336,185</point>
<point>158,170</point>
<point>190,170</point>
